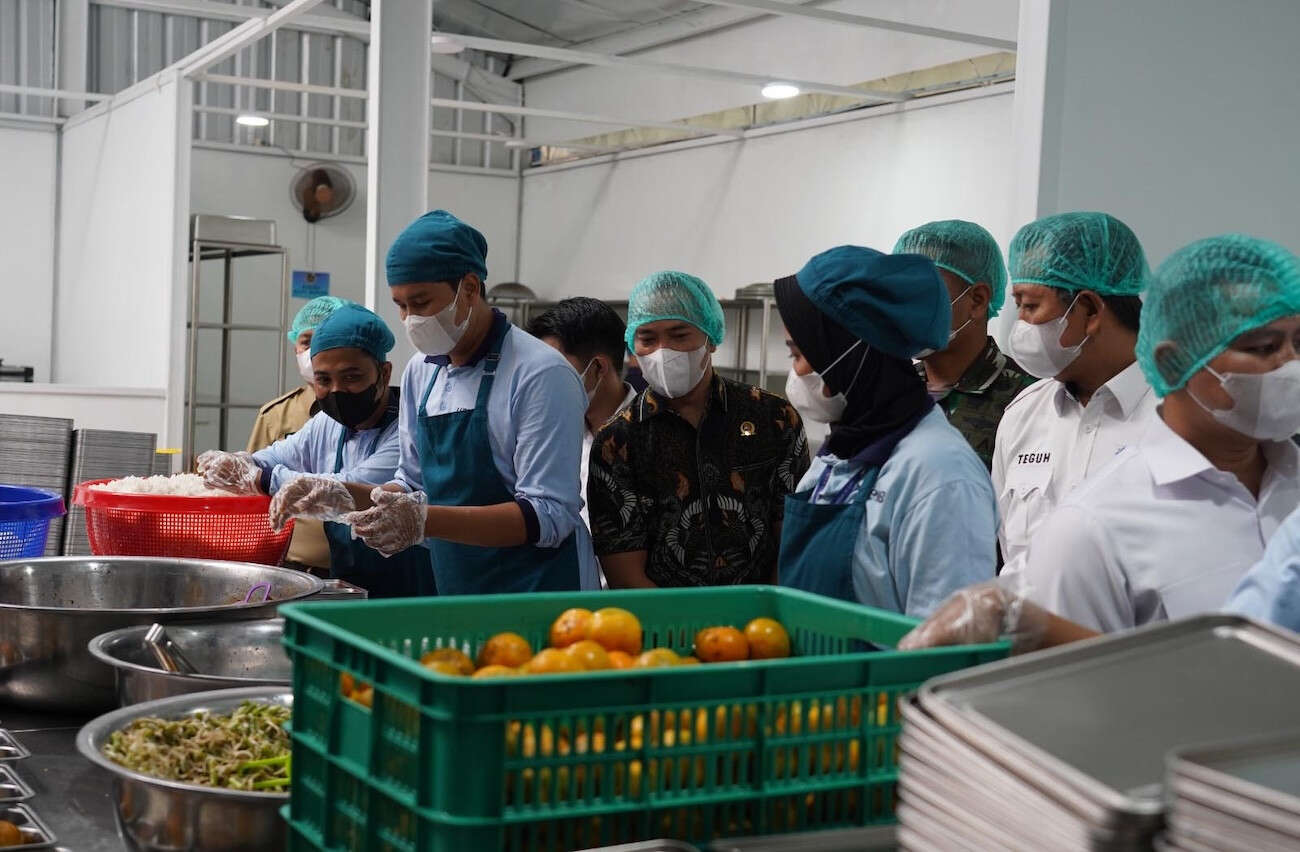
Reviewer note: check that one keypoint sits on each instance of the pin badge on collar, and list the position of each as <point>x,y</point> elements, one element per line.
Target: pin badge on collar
<point>747,429</point>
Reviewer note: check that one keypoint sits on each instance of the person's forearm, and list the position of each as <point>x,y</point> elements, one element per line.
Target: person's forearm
<point>626,570</point>
<point>1062,631</point>
<point>498,525</point>
<point>360,492</point>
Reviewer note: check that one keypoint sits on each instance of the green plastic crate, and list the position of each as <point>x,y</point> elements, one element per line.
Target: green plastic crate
<point>560,762</point>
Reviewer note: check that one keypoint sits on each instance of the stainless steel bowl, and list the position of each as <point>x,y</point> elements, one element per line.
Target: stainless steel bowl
<point>224,655</point>
<point>50,609</point>
<point>154,815</point>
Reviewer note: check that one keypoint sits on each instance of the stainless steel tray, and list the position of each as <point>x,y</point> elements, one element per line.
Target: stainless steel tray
<point>12,787</point>
<point>34,831</point>
<point>1262,770</point>
<point>10,748</point>
<point>1101,715</point>
<point>1199,801</point>
<point>878,839</point>
<point>1208,828</point>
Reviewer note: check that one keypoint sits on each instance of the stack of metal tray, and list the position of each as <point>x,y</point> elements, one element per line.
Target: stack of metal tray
<point>103,454</point>
<point>1240,795</point>
<point>1065,749</point>
<point>34,452</point>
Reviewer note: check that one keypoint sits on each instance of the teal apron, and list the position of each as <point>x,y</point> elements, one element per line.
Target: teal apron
<point>818,539</point>
<point>458,469</point>
<point>404,575</point>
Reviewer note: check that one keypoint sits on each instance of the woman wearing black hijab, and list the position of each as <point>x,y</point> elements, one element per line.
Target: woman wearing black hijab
<point>896,511</point>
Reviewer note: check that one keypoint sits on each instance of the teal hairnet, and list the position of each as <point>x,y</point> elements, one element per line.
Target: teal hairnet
<point>1206,295</point>
<point>1080,251</point>
<point>312,314</point>
<point>677,296</point>
<point>436,247</point>
<point>964,249</point>
<point>354,327</point>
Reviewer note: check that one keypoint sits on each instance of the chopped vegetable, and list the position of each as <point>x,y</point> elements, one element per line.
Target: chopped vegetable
<point>247,750</point>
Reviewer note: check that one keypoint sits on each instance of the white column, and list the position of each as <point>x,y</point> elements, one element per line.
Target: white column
<point>397,141</point>
<point>73,26</point>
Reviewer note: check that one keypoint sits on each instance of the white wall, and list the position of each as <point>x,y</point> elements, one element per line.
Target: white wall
<point>122,409</point>
<point>28,178</point>
<point>1178,116</point>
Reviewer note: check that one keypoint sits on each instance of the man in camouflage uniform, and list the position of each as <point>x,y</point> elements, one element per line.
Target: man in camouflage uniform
<point>970,379</point>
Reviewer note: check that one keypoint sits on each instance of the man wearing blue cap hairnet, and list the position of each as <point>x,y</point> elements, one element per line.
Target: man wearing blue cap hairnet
<point>490,434</point>
<point>352,438</point>
<point>896,511</point>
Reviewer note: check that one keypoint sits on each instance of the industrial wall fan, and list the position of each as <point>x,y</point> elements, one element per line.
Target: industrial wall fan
<point>322,190</point>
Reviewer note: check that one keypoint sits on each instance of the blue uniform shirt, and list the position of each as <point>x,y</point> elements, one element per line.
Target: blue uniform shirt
<point>931,520</point>
<point>1270,590</point>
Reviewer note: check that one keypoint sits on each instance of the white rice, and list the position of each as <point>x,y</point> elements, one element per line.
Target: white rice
<point>179,485</point>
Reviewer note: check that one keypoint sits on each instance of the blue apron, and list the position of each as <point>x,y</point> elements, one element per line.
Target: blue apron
<point>403,575</point>
<point>458,469</point>
<point>818,539</point>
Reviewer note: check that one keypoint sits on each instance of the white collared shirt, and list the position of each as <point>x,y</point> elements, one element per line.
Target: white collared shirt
<point>1048,443</point>
<point>1159,534</point>
<point>588,438</point>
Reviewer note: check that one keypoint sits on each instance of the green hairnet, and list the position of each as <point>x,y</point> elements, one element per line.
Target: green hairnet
<point>313,314</point>
<point>964,249</point>
<point>1206,295</point>
<point>1080,251</point>
<point>678,296</point>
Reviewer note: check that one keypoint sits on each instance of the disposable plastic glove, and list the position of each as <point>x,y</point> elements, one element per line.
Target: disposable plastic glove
<point>985,612</point>
<point>393,524</point>
<point>310,497</point>
<point>233,472</point>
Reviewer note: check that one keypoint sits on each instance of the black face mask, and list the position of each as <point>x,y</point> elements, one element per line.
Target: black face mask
<point>351,408</point>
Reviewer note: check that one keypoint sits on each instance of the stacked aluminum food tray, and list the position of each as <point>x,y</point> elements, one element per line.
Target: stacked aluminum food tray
<point>103,454</point>
<point>1240,795</point>
<point>14,793</point>
<point>1065,749</point>
<point>34,452</point>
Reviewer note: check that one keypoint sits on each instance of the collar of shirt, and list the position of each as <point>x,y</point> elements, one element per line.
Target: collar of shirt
<point>1128,387</point>
<point>1172,459</point>
<point>628,398</point>
<point>982,372</point>
<point>878,452</point>
<point>652,405</point>
<point>498,320</point>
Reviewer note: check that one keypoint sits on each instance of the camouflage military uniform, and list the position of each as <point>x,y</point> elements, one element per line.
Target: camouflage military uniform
<point>975,404</point>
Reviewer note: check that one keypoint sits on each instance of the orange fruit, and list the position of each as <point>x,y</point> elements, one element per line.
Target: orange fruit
<point>656,658</point>
<point>616,629</point>
<point>448,661</point>
<point>346,684</point>
<point>570,627</point>
<point>590,655</point>
<point>497,671</point>
<point>505,649</point>
<point>689,661</point>
<point>721,645</point>
<point>768,640</point>
<point>620,660</point>
<point>552,661</point>
<point>364,695</point>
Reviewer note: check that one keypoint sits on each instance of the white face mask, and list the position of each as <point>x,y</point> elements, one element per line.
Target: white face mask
<point>582,377</point>
<point>952,335</point>
<point>304,366</point>
<point>672,374</point>
<point>805,394</point>
<point>1037,348</point>
<point>437,334</point>
<point>1266,406</point>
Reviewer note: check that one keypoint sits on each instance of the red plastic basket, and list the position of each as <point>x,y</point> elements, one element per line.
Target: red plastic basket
<point>235,528</point>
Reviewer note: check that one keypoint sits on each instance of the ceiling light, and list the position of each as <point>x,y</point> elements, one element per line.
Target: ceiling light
<point>250,120</point>
<point>779,91</point>
<point>445,45</point>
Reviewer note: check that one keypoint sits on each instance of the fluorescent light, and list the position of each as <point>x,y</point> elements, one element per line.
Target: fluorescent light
<point>445,45</point>
<point>779,91</point>
<point>250,120</point>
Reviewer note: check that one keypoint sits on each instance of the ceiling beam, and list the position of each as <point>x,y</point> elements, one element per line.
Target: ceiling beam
<point>692,71</point>
<point>565,115</point>
<point>249,32</point>
<point>779,7</point>
<point>338,24</point>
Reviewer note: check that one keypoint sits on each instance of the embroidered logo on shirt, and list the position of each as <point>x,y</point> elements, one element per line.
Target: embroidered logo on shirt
<point>1033,458</point>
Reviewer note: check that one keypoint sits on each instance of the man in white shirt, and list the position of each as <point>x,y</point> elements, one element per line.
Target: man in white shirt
<point>589,334</point>
<point>1076,279</point>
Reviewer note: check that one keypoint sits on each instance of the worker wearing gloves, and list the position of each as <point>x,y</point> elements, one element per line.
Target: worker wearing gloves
<point>489,432</point>
<point>1076,279</point>
<point>1172,526</point>
<point>687,485</point>
<point>970,378</point>
<point>353,438</point>
<point>897,511</point>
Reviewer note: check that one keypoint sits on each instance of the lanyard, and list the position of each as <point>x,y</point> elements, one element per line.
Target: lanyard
<point>843,495</point>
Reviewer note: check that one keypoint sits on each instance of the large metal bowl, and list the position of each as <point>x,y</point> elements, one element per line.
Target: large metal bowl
<point>225,655</point>
<point>154,815</point>
<point>50,609</point>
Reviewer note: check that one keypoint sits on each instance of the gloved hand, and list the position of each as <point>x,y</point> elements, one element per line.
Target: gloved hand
<point>394,523</point>
<point>310,497</point>
<point>233,472</point>
<point>983,613</point>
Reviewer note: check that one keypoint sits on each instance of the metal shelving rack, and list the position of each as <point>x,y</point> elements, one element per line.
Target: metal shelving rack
<point>227,238</point>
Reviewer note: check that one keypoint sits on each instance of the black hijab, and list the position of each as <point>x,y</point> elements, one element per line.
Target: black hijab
<point>887,397</point>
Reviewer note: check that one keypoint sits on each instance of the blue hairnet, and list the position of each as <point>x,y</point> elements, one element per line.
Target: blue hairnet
<point>1080,251</point>
<point>312,314</point>
<point>354,327</point>
<point>678,296</point>
<point>1207,294</point>
<point>964,249</point>
<point>436,247</point>
<point>896,303</point>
